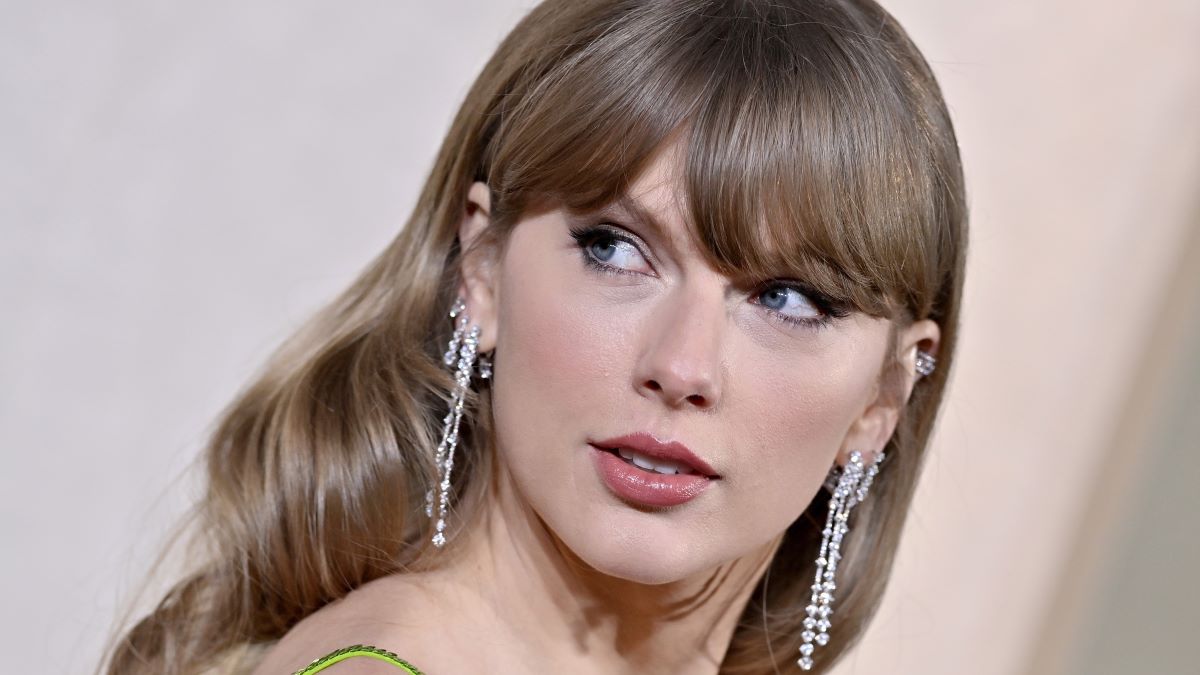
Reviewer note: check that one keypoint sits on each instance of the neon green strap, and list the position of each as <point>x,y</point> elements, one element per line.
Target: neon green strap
<point>358,650</point>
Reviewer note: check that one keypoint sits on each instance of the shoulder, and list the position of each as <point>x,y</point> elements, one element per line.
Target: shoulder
<point>376,615</point>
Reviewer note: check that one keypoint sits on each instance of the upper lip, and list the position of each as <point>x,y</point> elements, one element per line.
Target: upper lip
<point>646,444</point>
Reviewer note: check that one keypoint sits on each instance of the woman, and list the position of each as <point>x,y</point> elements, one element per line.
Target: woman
<point>700,259</point>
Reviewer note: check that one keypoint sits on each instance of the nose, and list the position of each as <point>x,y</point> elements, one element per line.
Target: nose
<point>680,361</point>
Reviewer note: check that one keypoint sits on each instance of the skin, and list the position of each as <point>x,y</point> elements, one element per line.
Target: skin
<point>558,574</point>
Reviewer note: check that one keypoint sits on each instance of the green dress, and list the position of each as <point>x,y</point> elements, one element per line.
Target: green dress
<point>358,650</point>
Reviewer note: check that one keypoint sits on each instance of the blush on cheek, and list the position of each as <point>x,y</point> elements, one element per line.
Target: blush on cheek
<point>554,351</point>
<point>547,344</point>
<point>796,418</point>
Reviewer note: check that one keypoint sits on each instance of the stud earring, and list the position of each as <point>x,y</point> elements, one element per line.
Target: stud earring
<point>460,355</point>
<point>850,489</point>
<point>926,363</point>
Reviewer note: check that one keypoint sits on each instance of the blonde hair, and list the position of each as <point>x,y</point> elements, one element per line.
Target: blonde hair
<point>817,144</point>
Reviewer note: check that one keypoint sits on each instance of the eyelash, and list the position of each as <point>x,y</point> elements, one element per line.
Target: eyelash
<point>586,236</point>
<point>830,309</point>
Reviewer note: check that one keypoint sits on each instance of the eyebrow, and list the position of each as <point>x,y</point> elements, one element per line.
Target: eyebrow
<point>628,207</point>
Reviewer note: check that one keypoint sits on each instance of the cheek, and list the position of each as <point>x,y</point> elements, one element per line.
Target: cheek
<point>807,406</point>
<point>796,417</point>
<point>553,352</point>
<point>557,356</point>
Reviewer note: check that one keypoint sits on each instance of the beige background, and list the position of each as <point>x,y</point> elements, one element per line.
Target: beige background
<point>181,183</point>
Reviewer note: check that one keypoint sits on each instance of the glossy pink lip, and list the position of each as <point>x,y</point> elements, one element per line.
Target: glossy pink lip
<point>650,446</point>
<point>645,487</point>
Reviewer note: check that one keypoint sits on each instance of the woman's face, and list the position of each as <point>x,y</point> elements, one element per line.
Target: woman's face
<point>617,345</point>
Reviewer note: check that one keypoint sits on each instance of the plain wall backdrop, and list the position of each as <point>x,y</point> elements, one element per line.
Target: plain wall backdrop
<point>181,184</point>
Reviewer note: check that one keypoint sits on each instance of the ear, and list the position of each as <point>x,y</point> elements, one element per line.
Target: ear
<point>478,275</point>
<point>870,433</point>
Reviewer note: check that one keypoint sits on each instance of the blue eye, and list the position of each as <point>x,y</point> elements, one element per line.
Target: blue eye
<point>794,304</point>
<point>606,250</point>
<point>789,301</point>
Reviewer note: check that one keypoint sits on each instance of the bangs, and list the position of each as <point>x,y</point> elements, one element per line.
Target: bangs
<point>807,153</point>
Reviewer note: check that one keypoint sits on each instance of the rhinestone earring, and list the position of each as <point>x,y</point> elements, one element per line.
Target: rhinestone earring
<point>850,488</point>
<point>460,355</point>
<point>926,363</point>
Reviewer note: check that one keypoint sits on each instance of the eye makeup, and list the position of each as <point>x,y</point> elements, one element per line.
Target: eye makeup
<point>829,308</point>
<point>588,238</point>
<point>601,243</point>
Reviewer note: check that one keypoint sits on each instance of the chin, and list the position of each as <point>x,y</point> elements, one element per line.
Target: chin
<point>632,547</point>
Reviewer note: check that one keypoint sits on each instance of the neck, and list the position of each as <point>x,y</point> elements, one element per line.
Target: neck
<point>557,610</point>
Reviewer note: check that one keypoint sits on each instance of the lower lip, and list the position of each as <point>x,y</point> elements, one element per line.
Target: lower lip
<point>646,487</point>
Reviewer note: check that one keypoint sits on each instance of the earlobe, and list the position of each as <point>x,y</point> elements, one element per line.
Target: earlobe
<point>870,433</point>
<point>478,264</point>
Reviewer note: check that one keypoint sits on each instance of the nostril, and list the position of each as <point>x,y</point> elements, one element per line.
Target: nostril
<point>696,400</point>
<point>653,386</point>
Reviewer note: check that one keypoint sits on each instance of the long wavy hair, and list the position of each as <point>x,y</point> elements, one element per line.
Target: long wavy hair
<point>817,142</point>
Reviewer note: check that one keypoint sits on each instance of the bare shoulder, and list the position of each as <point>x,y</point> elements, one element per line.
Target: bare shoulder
<point>386,613</point>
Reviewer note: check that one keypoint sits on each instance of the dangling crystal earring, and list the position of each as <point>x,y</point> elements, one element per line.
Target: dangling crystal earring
<point>460,354</point>
<point>850,489</point>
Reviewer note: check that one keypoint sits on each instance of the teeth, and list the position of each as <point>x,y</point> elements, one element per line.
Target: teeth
<point>663,466</point>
